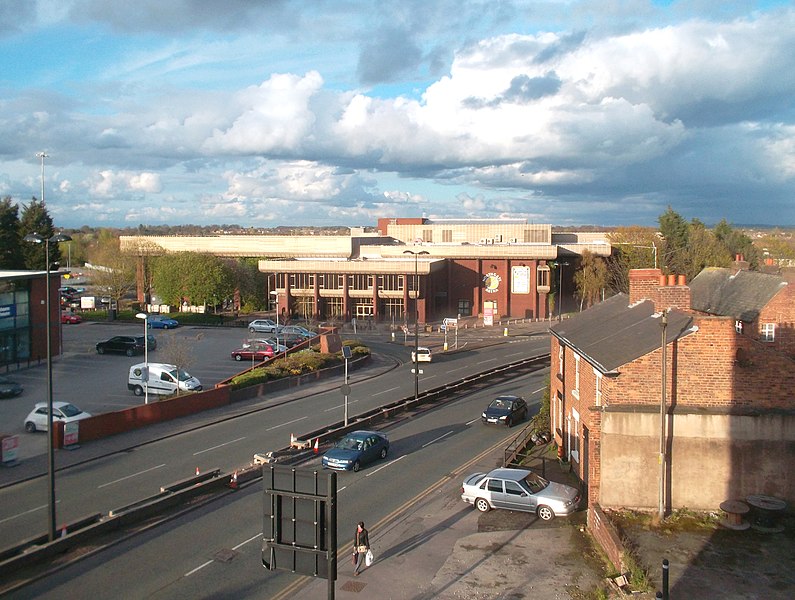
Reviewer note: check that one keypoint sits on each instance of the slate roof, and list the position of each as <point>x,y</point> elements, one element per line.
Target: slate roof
<point>612,333</point>
<point>738,294</point>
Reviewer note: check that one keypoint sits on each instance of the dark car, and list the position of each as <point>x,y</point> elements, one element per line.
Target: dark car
<point>505,410</point>
<point>126,344</point>
<point>356,449</point>
<point>9,388</point>
<point>298,330</point>
<point>290,339</point>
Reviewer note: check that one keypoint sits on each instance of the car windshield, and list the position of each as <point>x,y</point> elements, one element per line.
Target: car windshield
<point>349,444</point>
<point>501,403</point>
<point>70,410</point>
<point>535,483</point>
<point>183,375</point>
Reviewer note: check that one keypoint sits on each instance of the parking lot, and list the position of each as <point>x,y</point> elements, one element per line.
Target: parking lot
<point>98,383</point>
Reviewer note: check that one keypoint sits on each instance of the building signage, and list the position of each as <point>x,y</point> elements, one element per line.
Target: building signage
<point>492,282</point>
<point>7,310</point>
<point>9,448</point>
<point>71,433</point>
<point>520,280</point>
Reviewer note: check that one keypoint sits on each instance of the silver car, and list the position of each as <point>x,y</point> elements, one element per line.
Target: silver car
<point>520,489</point>
<point>263,326</point>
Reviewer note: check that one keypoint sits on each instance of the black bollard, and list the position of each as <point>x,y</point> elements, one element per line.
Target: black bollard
<point>665,579</point>
<point>658,595</point>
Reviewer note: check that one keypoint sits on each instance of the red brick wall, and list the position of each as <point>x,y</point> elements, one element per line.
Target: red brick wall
<point>781,311</point>
<point>643,284</point>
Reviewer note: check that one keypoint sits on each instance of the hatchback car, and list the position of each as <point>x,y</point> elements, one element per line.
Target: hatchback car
<point>71,318</point>
<point>421,355</point>
<point>298,330</point>
<point>61,411</point>
<point>9,388</point>
<point>355,450</point>
<point>126,344</point>
<point>161,322</point>
<point>258,353</point>
<point>263,326</point>
<point>505,410</point>
<point>522,490</point>
<point>254,342</point>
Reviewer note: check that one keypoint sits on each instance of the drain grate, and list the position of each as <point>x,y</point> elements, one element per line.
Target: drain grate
<point>353,586</point>
<point>225,555</point>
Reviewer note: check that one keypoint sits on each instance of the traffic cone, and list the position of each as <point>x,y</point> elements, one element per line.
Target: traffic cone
<point>197,471</point>
<point>63,531</point>
<point>233,483</point>
<point>317,445</point>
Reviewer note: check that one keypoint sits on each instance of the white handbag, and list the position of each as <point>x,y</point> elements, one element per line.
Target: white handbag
<point>368,558</point>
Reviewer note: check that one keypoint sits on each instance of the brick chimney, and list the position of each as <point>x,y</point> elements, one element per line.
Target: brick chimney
<point>740,264</point>
<point>676,294</point>
<point>643,284</point>
<point>666,291</point>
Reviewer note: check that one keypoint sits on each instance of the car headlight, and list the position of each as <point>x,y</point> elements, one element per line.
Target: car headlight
<point>503,417</point>
<point>483,415</point>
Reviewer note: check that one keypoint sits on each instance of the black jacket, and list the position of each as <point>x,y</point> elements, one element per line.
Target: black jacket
<point>361,538</point>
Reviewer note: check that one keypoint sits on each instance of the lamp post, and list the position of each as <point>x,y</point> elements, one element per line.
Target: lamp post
<point>664,360</point>
<point>145,317</point>
<point>560,289</point>
<point>416,322</point>
<point>35,238</point>
<point>42,156</point>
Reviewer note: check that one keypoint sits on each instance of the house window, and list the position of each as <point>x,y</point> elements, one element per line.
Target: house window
<point>738,327</point>
<point>769,332</point>
<point>447,235</point>
<point>427,235</point>
<point>465,308</point>
<point>576,391</point>
<point>598,386</point>
<point>575,436</point>
<point>560,360</point>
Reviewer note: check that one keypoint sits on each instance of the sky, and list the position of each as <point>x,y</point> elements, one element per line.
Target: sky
<point>338,112</point>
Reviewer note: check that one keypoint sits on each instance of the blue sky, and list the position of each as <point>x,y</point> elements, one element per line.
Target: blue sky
<point>339,112</point>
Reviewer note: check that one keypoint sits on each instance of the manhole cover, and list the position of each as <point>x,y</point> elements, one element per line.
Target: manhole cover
<point>225,555</point>
<point>353,586</point>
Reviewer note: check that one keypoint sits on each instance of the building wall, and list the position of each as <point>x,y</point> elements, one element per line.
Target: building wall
<point>38,316</point>
<point>781,311</point>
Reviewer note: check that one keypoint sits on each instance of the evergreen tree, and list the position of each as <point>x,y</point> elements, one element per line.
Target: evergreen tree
<point>675,233</point>
<point>10,253</point>
<point>36,219</point>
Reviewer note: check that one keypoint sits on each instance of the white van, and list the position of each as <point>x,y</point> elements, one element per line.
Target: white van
<point>163,380</point>
<point>422,355</point>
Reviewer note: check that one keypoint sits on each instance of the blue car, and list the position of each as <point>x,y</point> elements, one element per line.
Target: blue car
<point>161,322</point>
<point>355,450</point>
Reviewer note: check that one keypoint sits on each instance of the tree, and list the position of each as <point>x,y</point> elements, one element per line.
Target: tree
<point>674,230</point>
<point>591,279</point>
<point>36,219</point>
<point>250,282</point>
<point>737,243</point>
<point>114,272</point>
<point>634,247</point>
<point>703,250</point>
<point>198,278</point>
<point>10,253</point>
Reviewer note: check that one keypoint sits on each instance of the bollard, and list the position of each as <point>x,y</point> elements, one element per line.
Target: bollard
<point>505,332</point>
<point>445,346</point>
<point>665,579</point>
<point>393,336</point>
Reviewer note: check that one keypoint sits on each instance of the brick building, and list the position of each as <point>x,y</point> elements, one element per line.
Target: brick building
<point>728,416</point>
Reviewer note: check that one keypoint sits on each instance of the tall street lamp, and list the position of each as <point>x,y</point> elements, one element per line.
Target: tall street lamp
<point>663,360</point>
<point>560,289</point>
<point>145,317</point>
<point>42,156</point>
<point>416,322</point>
<point>35,238</point>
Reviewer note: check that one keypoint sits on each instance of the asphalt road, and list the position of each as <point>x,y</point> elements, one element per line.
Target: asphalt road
<point>215,552</point>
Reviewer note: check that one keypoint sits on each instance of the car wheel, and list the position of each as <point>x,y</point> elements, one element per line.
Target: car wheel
<point>130,352</point>
<point>509,422</point>
<point>30,427</point>
<point>251,330</point>
<point>356,466</point>
<point>165,326</point>
<point>482,505</point>
<point>383,452</point>
<point>238,357</point>
<point>100,350</point>
<point>545,513</point>
<point>138,390</point>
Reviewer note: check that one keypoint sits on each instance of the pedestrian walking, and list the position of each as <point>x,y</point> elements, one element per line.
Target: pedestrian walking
<point>361,544</point>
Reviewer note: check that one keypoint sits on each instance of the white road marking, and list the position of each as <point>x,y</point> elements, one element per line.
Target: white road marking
<point>339,406</point>
<point>287,423</point>
<point>437,439</point>
<point>99,487</point>
<point>218,446</point>
<point>460,369</point>
<point>385,391</point>
<point>32,510</point>
<point>192,571</point>
<point>538,390</point>
<point>389,464</point>
<point>251,539</point>
<point>473,421</point>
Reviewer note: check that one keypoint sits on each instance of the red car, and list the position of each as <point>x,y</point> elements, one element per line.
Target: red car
<point>259,353</point>
<point>71,318</point>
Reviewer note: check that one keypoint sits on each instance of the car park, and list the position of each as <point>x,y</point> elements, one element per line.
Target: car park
<point>9,388</point>
<point>521,490</point>
<point>70,318</point>
<point>263,326</point>
<point>505,410</point>
<point>355,450</point>
<point>257,353</point>
<point>61,411</point>
<point>127,344</point>
<point>422,354</point>
<point>161,322</point>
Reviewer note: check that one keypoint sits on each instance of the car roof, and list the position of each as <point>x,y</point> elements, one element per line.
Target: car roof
<point>509,474</point>
<point>56,404</point>
<point>363,433</point>
<point>423,349</point>
<point>508,397</point>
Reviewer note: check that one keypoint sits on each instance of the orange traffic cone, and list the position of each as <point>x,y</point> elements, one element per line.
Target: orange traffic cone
<point>197,471</point>
<point>63,531</point>
<point>233,482</point>
<point>317,445</point>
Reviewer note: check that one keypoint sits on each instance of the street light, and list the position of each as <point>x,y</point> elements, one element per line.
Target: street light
<point>416,322</point>
<point>42,156</point>
<point>560,290</point>
<point>664,360</point>
<point>145,317</point>
<point>35,238</point>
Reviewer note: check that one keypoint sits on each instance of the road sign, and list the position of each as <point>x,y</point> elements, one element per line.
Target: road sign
<point>345,389</point>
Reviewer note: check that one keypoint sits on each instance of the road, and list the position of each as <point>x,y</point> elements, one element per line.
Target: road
<point>215,552</point>
<point>264,424</point>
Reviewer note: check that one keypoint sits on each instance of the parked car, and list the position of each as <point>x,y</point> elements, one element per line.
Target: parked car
<point>422,355</point>
<point>298,330</point>
<point>61,411</point>
<point>522,490</point>
<point>9,388</point>
<point>355,450</point>
<point>70,318</point>
<point>277,348</point>
<point>160,379</point>
<point>258,353</point>
<point>263,326</point>
<point>161,322</point>
<point>505,410</point>
<point>126,344</point>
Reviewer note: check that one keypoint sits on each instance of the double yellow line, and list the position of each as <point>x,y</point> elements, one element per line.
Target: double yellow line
<point>295,586</point>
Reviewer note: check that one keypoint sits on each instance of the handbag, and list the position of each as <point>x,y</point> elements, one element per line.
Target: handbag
<point>368,558</point>
<point>353,559</point>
